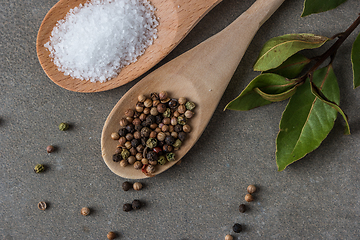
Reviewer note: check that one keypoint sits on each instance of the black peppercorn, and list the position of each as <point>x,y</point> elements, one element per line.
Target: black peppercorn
<point>178,128</point>
<point>126,186</point>
<point>145,132</point>
<point>152,156</point>
<point>127,207</point>
<point>242,208</point>
<point>173,103</point>
<point>237,228</point>
<point>158,119</point>
<point>117,157</point>
<point>136,204</point>
<point>130,128</point>
<point>135,142</point>
<point>138,127</point>
<point>145,124</point>
<point>182,136</point>
<point>170,140</point>
<point>150,119</point>
<point>123,132</point>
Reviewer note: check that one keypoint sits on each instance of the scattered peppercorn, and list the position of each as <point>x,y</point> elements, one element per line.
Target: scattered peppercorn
<point>111,235</point>
<point>85,211</point>
<point>249,198</point>
<point>115,136</point>
<point>229,237</point>
<point>137,186</point>
<point>242,208</point>
<point>251,189</point>
<point>136,204</point>
<point>126,186</point>
<point>237,228</point>
<point>50,149</point>
<point>39,168</point>
<point>42,205</point>
<point>64,126</point>
<point>127,207</point>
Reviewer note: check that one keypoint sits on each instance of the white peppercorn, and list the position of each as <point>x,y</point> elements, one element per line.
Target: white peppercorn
<point>251,189</point>
<point>137,186</point>
<point>115,136</point>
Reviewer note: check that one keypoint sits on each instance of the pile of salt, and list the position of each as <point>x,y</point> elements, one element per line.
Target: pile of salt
<point>97,39</point>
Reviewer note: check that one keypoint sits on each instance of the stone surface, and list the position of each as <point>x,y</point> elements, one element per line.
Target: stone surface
<point>317,197</point>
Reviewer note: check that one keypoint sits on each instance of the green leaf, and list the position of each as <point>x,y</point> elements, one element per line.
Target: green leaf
<point>317,92</point>
<point>292,67</point>
<point>276,97</point>
<point>278,49</point>
<point>355,59</point>
<point>317,6</point>
<point>269,83</point>
<point>307,120</point>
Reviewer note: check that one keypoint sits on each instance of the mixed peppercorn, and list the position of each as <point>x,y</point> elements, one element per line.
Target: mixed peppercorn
<point>150,134</point>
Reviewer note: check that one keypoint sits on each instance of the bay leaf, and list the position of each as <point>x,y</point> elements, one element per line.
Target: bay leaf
<point>276,97</point>
<point>269,83</point>
<point>355,60</point>
<point>307,120</point>
<point>278,49</point>
<point>317,6</point>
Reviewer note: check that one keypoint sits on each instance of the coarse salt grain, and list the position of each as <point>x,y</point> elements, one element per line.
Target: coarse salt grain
<point>96,40</point>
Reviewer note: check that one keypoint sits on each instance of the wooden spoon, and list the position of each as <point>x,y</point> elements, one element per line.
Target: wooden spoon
<point>200,74</point>
<point>176,18</point>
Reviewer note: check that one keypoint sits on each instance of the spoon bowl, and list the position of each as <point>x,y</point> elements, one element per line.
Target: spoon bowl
<point>176,18</point>
<point>200,74</point>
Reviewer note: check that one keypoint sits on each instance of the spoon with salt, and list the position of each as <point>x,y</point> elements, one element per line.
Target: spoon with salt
<point>200,75</point>
<point>176,17</point>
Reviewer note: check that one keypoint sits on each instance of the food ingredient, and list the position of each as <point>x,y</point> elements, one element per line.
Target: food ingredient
<point>39,168</point>
<point>126,186</point>
<point>111,235</point>
<point>127,207</point>
<point>229,237</point>
<point>50,149</point>
<point>137,186</point>
<point>136,204</point>
<point>237,228</point>
<point>115,136</point>
<point>64,126</point>
<point>251,189</point>
<point>85,211</point>
<point>242,208</point>
<point>97,39</point>
<point>249,198</point>
<point>42,205</point>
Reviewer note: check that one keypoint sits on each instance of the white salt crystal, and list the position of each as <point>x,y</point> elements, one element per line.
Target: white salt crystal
<point>98,38</point>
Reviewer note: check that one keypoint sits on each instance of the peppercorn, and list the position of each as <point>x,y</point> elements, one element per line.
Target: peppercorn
<point>176,114</point>
<point>187,128</point>
<point>140,148</point>
<point>173,121</point>
<point>129,113</point>
<point>189,114</point>
<point>151,142</point>
<point>154,112</point>
<point>131,160</point>
<point>146,111</point>
<point>125,153</point>
<point>182,136</point>
<point>181,109</point>
<point>167,148</point>
<point>152,156</point>
<point>111,235</point>
<point>39,168</point>
<point>136,121</point>
<point>170,140</point>
<point>242,208</point>
<point>64,126</point>
<point>123,122</point>
<point>182,100</point>
<point>162,160</point>
<point>173,103</point>
<point>50,149</point>
<point>122,132</point>
<point>161,108</point>
<point>237,228</point>
<point>85,211</point>
<point>165,128</point>
<point>129,136</point>
<point>167,112</point>
<point>163,95</point>
<point>144,161</point>
<point>139,107</point>
<point>177,143</point>
<point>135,142</point>
<point>127,207</point>
<point>170,156</point>
<point>138,165</point>
<point>158,118</point>
<point>136,204</point>
<point>123,163</point>
<point>154,96</point>
<point>137,186</point>
<point>153,163</point>
<point>118,150</point>
<point>249,198</point>
<point>150,169</point>
<point>115,136</point>
<point>153,134</point>
<point>148,103</point>
<point>117,157</point>
<point>174,134</point>
<point>42,205</point>
<point>181,120</point>
<point>126,186</point>
<point>251,189</point>
<point>133,151</point>
<point>190,106</point>
<point>128,145</point>
<point>229,237</point>
<point>145,132</point>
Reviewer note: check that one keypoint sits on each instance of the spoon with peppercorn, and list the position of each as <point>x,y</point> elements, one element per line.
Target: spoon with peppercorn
<point>200,75</point>
<point>176,19</point>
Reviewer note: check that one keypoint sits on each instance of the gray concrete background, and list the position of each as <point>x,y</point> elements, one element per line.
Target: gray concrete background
<point>315,198</point>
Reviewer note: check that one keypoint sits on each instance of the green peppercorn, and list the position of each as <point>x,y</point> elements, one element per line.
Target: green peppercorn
<point>242,208</point>
<point>127,207</point>
<point>126,186</point>
<point>39,168</point>
<point>181,120</point>
<point>170,156</point>
<point>190,106</point>
<point>237,228</point>
<point>151,142</point>
<point>167,113</point>
<point>125,153</point>
<point>161,160</point>
<point>64,126</point>
<point>177,143</point>
<point>136,204</point>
